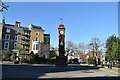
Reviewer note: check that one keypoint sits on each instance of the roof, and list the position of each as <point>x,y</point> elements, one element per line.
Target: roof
<point>46,34</point>
<point>37,27</point>
<point>24,28</point>
<point>9,24</point>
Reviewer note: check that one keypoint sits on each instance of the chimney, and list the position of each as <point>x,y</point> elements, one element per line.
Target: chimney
<point>3,20</point>
<point>17,24</point>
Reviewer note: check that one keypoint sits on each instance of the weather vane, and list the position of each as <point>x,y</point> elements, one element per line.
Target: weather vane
<point>61,19</point>
<point>3,6</point>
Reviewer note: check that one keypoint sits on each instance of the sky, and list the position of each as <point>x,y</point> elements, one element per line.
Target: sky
<point>83,20</point>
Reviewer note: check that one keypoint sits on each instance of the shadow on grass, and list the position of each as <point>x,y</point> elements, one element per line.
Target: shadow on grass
<point>31,72</point>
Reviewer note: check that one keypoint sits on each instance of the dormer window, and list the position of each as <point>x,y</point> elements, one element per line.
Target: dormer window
<point>8,30</point>
<point>37,33</point>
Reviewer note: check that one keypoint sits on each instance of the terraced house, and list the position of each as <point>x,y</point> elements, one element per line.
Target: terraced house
<point>31,38</point>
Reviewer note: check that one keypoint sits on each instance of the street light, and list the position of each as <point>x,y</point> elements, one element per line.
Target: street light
<point>93,48</point>
<point>93,53</point>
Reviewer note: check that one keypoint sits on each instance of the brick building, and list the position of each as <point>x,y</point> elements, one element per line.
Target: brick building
<point>29,37</point>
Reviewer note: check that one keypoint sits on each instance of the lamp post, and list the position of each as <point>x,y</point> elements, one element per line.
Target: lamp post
<point>93,47</point>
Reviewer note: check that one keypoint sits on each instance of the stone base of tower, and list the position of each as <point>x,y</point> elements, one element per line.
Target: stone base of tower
<point>61,61</point>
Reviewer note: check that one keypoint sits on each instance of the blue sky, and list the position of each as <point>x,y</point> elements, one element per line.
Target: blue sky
<point>83,20</point>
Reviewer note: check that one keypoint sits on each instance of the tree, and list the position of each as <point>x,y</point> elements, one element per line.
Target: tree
<point>115,53</point>
<point>44,50</point>
<point>75,48</point>
<point>21,53</point>
<point>82,48</point>
<point>70,47</point>
<point>21,50</point>
<point>112,40</point>
<point>96,44</point>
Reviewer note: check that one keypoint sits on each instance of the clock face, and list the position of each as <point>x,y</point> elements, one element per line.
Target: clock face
<point>61,32</point>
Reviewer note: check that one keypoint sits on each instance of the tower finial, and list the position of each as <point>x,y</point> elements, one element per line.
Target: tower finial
<point>61,20</point>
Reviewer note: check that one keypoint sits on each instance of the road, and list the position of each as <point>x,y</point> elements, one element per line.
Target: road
<point>74,71</point>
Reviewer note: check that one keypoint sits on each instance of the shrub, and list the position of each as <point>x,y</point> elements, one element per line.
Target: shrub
<point>91,60</point>
<point>35,59</point>
<point>7,55</point>
<point>52,60</point>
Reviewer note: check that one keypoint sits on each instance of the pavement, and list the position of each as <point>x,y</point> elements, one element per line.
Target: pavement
<point>105,68</point>
<point>46,71</point>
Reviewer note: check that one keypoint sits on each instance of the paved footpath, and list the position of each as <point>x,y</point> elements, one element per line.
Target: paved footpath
<point>105,68</point>
<point>74,71</point>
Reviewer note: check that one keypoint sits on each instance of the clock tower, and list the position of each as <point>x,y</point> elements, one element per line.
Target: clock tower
<point>61,35</point>
<point>61,60</point>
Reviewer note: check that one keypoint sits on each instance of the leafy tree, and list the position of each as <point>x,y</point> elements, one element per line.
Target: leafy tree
<point>110,45</point>
<point>21,49</point>
<point>21,53</point>
<point>115,54</point>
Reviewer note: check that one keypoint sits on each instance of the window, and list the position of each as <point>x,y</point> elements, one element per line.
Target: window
<point>24,46</point>
<point>7,30</point>
<point>17,25</point>
<point>25,32</point>
<point>15,45</point>
<point>6,45</point>
<point>37,33</point>
<point>7,36</point>
<point>37,46</point>
<point>16,38</point>
<point>36,39</point>
<point>16,32</point>
<point>47,40</point>
<point>33,46</point>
